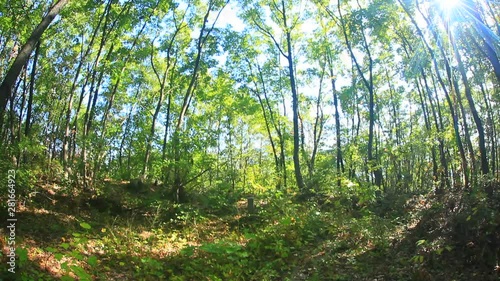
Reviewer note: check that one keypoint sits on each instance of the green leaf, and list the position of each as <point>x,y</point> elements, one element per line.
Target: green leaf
<point>92,261</point>
<point>244,254</point>
<point>80,272</point>
<point>230,250</point>
<point>85,225</point>
<point>188,251</point>
<point>418,259</point>
<point>51,250</point>
<point>77,255</point>
<point>286,221</point>
<point>58,256</point>
<point>65,246</point>
<point>23,255</point>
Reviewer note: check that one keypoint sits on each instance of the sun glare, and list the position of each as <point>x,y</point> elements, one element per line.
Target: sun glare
<point>450,10</point>
<point>448,5</point>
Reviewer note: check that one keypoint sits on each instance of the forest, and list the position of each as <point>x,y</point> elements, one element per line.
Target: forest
<point>250,140</point>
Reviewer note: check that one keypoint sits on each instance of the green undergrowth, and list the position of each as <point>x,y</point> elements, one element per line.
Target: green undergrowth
<point>126,236</point>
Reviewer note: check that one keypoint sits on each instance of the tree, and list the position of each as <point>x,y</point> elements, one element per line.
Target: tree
<point>368,80</point>
<point>24,55</point>
<point>204,34</point>
<point>283,16</point>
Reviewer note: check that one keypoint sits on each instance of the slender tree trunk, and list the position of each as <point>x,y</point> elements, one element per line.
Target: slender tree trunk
<point>12,114</point>
<point>303,148</point>
<point>435,168</point>
<point>458,139</point>
<point>22,105</point>
<point>17,121</point>
<point>281,169</point>
<point>67,130</point>
<point>126,130</point>
<point>368,82</point>
<point>269,134</point>
<point>162,81</point>
<point>319,122</point>
<point>89,118</point>
<point>96,81</point>
<point>100,154</point>
<point>166,126</point>
<point>178,186</point>
<point>27,128</point>
<point>475,115</point>
<point>465,123</point>
<point>438,123</point>
<point>295,117</point>
<point>452,84</point>
<point>492,128</point>
<point>74,128</point>
<point>339,160</point>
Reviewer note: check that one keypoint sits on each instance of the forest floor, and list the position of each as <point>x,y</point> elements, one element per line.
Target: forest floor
<point>124,235</point>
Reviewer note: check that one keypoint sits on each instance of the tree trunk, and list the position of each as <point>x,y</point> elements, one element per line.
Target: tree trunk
<point>27,128</point>
<point>368,82</point>
<point>339,160</point>
<point>475,115</point>
<point>446,92</point>
<point>319,122</point>
<point>162,81</point>
<point>178,186</point>
<point>438,123</point>
<point>67,130</point>
<point>295,109</point>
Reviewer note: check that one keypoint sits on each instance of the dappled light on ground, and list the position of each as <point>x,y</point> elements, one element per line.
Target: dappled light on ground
<point>283,240</point>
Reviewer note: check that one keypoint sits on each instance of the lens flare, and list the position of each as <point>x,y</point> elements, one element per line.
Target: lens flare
<point>450,10</point>
<point>448,6</point>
